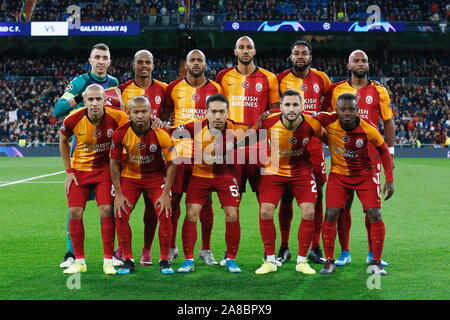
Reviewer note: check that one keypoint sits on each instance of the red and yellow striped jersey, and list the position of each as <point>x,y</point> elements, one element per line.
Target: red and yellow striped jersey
<point>249,96</point>
<point>373,100</point>
<point>212,155</point>
<point>349,149</point>
<point>312,88</point>
<point>146,155</point>
<point>288,155</point>
<point>187,102</point>
<point>92,142</point>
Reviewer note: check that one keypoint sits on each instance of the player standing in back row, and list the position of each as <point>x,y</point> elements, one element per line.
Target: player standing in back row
<point>373,106</point>
<point>312,86</point>
<point>186,98</point>
<point>143,84</point>
<point>251,91</point>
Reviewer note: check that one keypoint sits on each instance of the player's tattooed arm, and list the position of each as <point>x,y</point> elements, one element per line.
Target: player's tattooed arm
<point>120,201</point>
<point>164,201</point>
<point>65,155</point>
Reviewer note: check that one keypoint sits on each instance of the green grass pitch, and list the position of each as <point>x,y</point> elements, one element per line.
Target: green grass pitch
<point>32,243</point>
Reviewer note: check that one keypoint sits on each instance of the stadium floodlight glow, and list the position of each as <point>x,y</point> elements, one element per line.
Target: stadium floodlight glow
<point>267,28</point>
<point>385,25</point>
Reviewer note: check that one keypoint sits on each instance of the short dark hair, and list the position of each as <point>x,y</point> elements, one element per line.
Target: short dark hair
<point>303,43</point>
<point>100,46</point>
<point>290,93</point>
<point>216,97</point>
<point>346,96</point>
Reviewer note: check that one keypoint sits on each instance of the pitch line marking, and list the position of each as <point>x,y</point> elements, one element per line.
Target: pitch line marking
<point>32,178</point>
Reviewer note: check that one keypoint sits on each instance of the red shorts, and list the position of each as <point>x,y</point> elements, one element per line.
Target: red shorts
<point>98,180</point>
<point>133,188</point>
<point>339,188</point>
<point>272,187</point>
<point>182,177</point>
<point>200,189</point>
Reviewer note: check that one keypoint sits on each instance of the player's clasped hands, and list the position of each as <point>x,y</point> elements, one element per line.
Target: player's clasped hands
<point>70,177</point>
<point>120,203</point>
<point>388,190</point>
<point>164,205</point>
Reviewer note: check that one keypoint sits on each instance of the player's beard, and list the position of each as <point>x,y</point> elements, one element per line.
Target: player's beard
<point>245,62</point>
<point>196,75</point>
<point>301,68</point>
<point>360,75</point>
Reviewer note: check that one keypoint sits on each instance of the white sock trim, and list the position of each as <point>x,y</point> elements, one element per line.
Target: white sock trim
<point>301,259</point>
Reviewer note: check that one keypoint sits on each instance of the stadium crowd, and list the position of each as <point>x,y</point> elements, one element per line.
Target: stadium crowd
<point>314,10</point>
<point>422,109</point>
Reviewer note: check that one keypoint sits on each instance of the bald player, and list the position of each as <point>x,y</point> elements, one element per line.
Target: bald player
<point>88,169</point>
<point>250,90</point>
<point>186,98</point>
<point>143,84</point>
<point>374,107</point>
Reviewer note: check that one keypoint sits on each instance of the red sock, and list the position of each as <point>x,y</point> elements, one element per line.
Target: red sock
<point>285,214</point>
<point>124,235</point>
<point>318,221</point>
<point>377,233</point>
<point>150,223</point>
<point>232,238</point>
<point>329,238</point>
<point>268,235</point>
<point>107,226</point>
<point>206,221</point>
<point>176,212</point>
<point>344,224</point>
<point>165,235</point>
<point>369,236</point>
<point>189,236</point>
<point>305,235</point>
<point>76,230</point>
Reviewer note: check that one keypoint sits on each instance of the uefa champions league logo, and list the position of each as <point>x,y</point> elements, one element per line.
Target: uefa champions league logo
<point>235,25</point>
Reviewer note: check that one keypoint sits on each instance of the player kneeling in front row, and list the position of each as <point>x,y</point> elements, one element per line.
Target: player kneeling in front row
<point>212,144</point>
<point>143,170</point>
<point>348,137</point>
<point>92,127</point>
<point>288,134</point>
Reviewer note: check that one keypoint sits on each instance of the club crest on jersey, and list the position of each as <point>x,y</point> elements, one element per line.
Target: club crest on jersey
<point>196,97</point>
<point>97,133</point>
<point>316,88</point>
<point>305,141</point>
<point>246,84</point>
<point>259,87</point>
<point>153,148</point>
<point>359,143</point>
<point>303,87</point>
<point>345,138</point>
<point>292,140</point>
<point>109,133</point>
<point>141,145</point>
<point>158,99</point>
<point>369,99</point>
